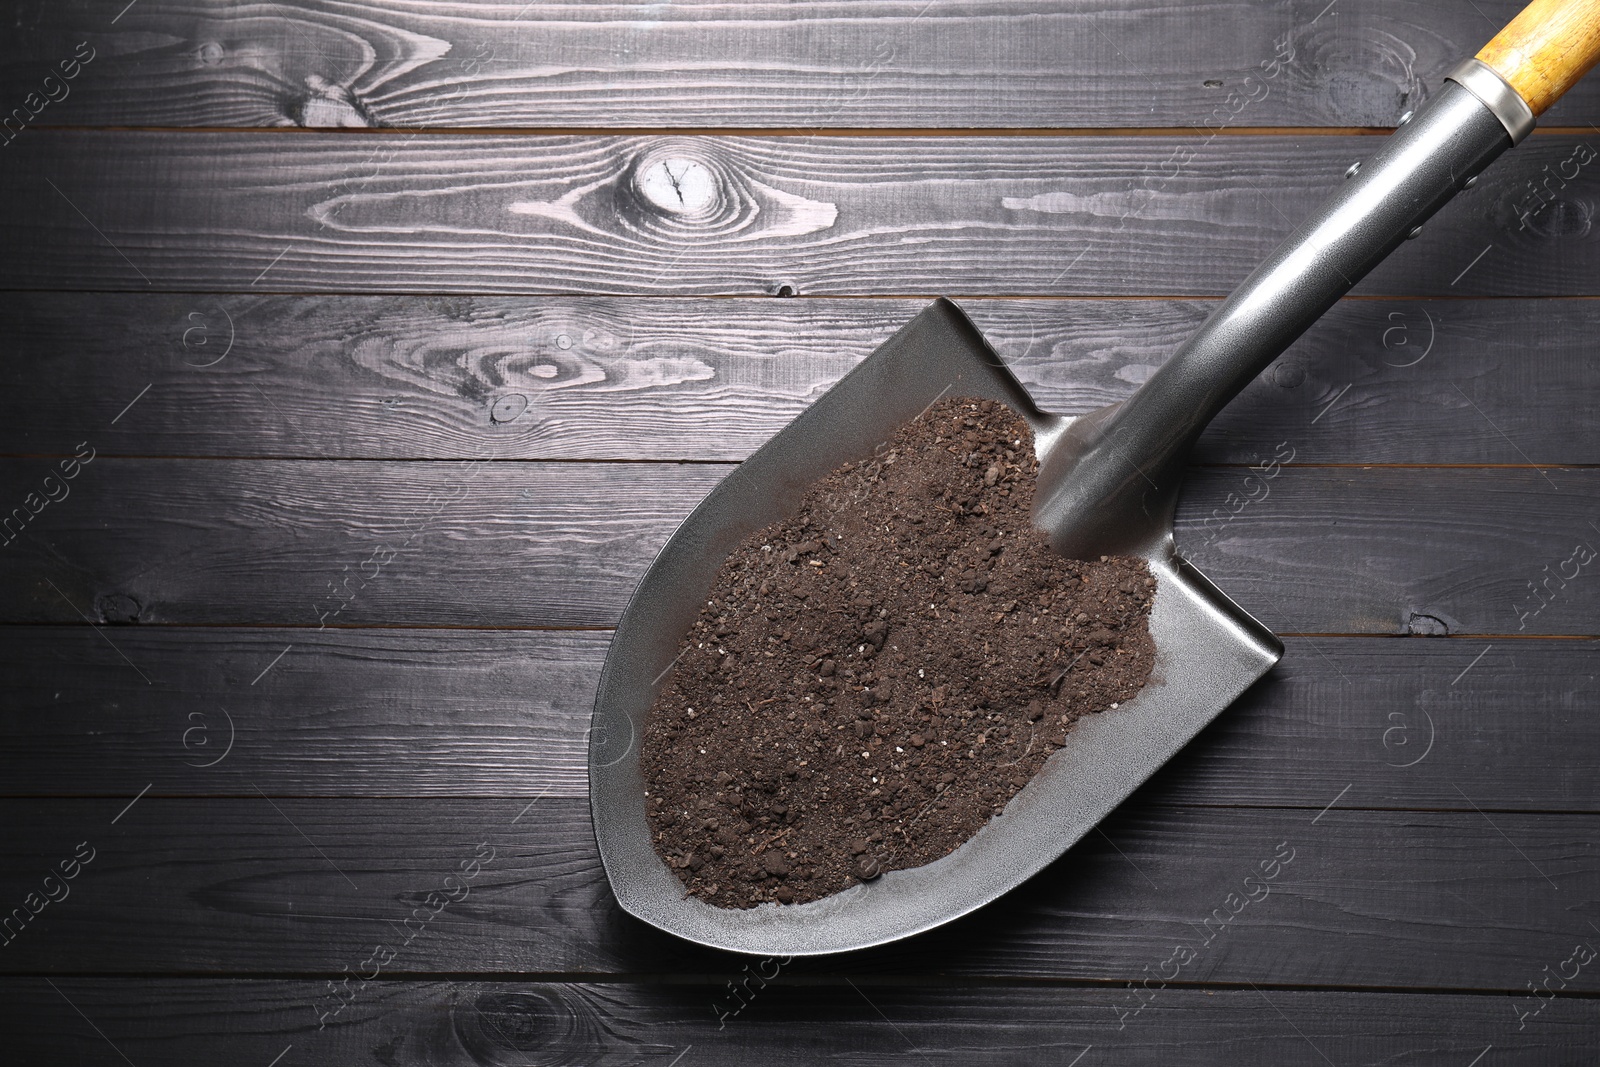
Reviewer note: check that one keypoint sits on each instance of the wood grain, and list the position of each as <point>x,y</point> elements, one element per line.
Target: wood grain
<point>697,215</point>
<point>1363,898</point>
<point>599,378</point>
<point>181,1021</point>
<point>344,713</point>
<point>452,713</point>
<point>1545,50</point>
<point>998,63</point>
<point>501,544</point>
<point>470,542</point>
<point>384,436</point>
<point>1416,551</point>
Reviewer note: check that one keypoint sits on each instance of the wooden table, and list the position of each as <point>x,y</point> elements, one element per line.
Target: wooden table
<point>338,451</point>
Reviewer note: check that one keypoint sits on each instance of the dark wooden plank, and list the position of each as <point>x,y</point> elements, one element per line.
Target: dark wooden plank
<point>1394,550</point>
<point>1359,898</point>
<point>742,215</point>
<point>187,1021</point>
<point>497,544</point>
<point>319,543</point>
<point>482,714</point>
<point>598,378</point>
<point>905,63</point>
<point>345,712</point>
<point>1408,724</point>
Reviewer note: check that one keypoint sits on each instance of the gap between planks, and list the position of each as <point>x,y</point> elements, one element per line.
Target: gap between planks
<point>918,980</point>
<point>969,298</point>
<point>790,131</point>
<point>963,298</point>
<point>1143,805</point>
<point>684,462</point>
<point>381,627</point>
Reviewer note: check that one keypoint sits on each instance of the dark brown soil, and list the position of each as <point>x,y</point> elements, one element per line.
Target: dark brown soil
<point>874,679</point>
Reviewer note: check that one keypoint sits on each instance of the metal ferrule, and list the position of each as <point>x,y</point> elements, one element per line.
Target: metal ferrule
<point>1485,83</point>
<point>1116,478</point>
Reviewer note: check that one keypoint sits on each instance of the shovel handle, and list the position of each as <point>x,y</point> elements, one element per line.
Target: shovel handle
<point>1545,50</point>
<point>1112,480</point>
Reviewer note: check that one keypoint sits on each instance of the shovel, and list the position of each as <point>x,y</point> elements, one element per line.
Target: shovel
<point>1108,484</point>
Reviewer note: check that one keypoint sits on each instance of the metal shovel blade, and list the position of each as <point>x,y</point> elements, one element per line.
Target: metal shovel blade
<point>1208,651</point>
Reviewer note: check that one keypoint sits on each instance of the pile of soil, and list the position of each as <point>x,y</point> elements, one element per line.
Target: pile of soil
<point>875,678</point>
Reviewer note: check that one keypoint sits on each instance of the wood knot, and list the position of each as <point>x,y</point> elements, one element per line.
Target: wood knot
<point>1288,375</point>
<point>666,195</point>
<point>529,1027</point>
<point>680,189</point>
<point>678,185</point>
<point>702,189</point>
<point>1423,625</point>
<point>1367,75</point>
<point>117,609</point>
<point>510,407</point>
<point>1560,218</point>
<point>330,106</point>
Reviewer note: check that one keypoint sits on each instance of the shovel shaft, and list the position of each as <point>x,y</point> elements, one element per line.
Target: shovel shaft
<point>1114,483</point>
<point>1110,484</point>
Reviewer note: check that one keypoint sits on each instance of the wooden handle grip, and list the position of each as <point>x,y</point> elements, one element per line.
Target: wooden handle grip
<point>1546,49</point>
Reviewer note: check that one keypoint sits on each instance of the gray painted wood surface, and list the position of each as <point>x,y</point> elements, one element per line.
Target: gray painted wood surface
<point>1362,897</point>
<point>315,543</point>
<point>1429,381</point>
<point>516,341</point>
<point>373,712</point>
<point>903,63</point>
<point>611,1024</point>
<point>741,216</point>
